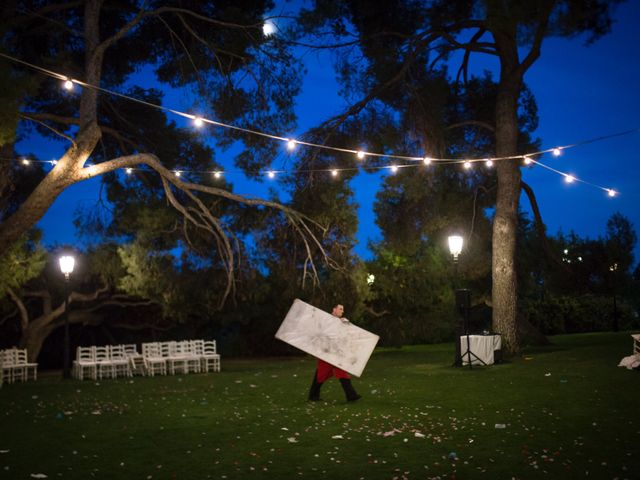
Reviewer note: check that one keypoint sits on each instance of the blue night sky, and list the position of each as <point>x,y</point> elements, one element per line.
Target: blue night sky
<point>583,92</point>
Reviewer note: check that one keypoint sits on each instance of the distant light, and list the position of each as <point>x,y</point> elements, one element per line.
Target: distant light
<point>67,262</point>
<point>129,170</point>
<point>455,246</point>
<point>611,192</point>
<point>271,174</point>
<point>268,28</point>
<point>489,163</point>
<point>26,161</point>
<point>556,152</point>
<point>68,84</point>
<point>177,173</point>
<point>467,165</point>
<point>53,162</point>
<point>527,160</point>
<point>569,178</point>
<point>579,259</point>
<point>360,154</point>
<point>394,168</point>
<point>334,173</point>
<point>427,161</point>
<point>198,122</point>
<point>217,174</point>
<point>370,279</point>
<point>566,251</point>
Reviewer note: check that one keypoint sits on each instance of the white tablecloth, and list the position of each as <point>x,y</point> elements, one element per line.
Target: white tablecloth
<point>482,346</point>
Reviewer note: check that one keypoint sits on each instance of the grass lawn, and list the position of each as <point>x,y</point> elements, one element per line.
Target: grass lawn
<point>568,412</point>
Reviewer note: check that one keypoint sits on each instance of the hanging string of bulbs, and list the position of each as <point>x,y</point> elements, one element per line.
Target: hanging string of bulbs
<point>199,122</point>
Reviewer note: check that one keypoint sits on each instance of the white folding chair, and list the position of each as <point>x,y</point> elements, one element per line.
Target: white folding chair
<point>21,361</point>
<point>11,371</point>
<point>105,366</point>
<point>119,361</point>
<point>85,360</point>
<point>210,357</point>
<point>153,360</point>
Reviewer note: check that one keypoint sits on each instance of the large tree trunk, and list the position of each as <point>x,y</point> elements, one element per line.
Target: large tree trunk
<point>505,293</point>
<point>34,336</point>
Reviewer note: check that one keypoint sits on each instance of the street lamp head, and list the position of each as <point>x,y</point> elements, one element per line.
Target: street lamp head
<point>67,262</point>
<point>455,246</point>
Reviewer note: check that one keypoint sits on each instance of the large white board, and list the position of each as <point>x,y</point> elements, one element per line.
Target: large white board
<point>326,337</point>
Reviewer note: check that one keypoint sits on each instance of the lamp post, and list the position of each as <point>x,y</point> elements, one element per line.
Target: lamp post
<point>455,248</point>
<point>614,270</point>
<point>67,262</point>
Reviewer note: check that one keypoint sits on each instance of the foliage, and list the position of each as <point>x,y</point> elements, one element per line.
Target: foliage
<point>23,262</point>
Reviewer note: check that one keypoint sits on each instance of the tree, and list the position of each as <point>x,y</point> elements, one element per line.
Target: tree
<point>35,296</point>
<point>216,50</point>
<point>400,40</point>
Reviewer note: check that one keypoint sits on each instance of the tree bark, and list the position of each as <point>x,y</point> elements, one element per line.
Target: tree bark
<point>505,222</point>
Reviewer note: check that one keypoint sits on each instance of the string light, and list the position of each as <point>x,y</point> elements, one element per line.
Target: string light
<point>291,144</point>
<point>467,165</point>
<point>53,162</point>
<point>360,154</point>
<point>129,170</point>
<point>488,163</point>
<point>334,173</point>
<point>271,174</point>
<point>25,161</point>
<point>217,174</point>
<point>177,173</point>
<point>68,84</point>
<point>268,28</point>
<point>394,168</point>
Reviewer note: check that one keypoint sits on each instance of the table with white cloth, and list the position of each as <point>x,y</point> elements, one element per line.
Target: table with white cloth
<point>482,346</point>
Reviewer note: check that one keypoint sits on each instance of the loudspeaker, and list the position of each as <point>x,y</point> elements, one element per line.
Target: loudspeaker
<point>463,299</point>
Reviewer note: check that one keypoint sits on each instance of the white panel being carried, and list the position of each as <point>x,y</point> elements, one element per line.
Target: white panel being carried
<point>326,337</point>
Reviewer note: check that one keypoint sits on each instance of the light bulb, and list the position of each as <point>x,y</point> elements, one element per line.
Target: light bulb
<point>569,178</point>
<point>291,144</point>
<point>489,163</point>
<point>177,173</point>
<point>612,192</point>
<point>427,161</point>
<point>25,161</point>
<point>360,154</point>
<point>68,84</point>
<point>394,168</point>
<point>271,174</point>
<point>556,152</point>
<point>527,161</point>
<point>217,174</point>
<point>129,170</point>
<point>334,173</point>
<point>198,122</point>
<point>467,165</point>
<point>268,28</point>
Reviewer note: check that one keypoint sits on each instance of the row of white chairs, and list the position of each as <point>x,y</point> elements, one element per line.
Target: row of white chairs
<point>187,356</point>
<point>14,365</point>
<point>112,361</point>
<point>107,361</point>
